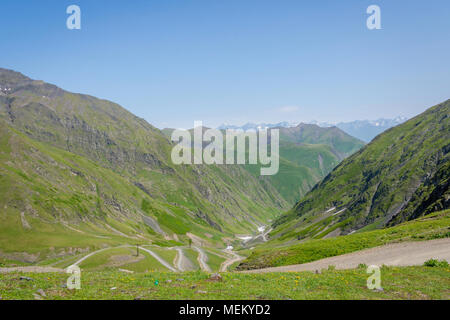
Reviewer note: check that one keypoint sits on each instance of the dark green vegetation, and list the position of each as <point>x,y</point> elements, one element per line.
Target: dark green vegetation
<point>436,263</point>
<point>398,283</point>
<point>401,175</point>
<point>78,173</point>
<point>433,226</point>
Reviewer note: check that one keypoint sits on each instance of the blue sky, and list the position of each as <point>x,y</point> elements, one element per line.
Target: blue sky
<point>176,61</point>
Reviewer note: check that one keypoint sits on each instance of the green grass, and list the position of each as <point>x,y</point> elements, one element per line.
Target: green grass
<point>167,254</point>
<point>192,255</point>
<point>398,283</point>
<point>106,260</point>
<point>433,226</point>
<point>147,264</point>
<point>102,259</point>
<point>44,236</point>
<point>214,260</point>
<point>167,243</point>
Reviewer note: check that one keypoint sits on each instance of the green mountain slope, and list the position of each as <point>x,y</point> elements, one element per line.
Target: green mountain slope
<point>401,175</point>
<point>307,154</point>
<point>341,143</point>
<point>77,171</point>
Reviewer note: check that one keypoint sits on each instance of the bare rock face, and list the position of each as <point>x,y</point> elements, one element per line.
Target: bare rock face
<point>25,223</point>
<point>215,277</point>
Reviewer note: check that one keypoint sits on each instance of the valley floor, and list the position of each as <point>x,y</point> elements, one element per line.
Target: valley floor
<point>123,272</point>
<point>326,281</point>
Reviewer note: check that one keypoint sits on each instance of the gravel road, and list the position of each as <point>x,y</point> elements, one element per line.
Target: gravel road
<point>398,254</point>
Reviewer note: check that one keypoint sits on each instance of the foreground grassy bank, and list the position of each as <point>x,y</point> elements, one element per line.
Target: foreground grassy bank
<point>398,283</point>
<point>433,226</point>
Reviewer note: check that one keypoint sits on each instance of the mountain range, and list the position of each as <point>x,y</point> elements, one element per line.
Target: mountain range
<point>364,130</point>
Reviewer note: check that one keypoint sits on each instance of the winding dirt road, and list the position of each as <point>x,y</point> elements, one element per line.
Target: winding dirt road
<point>93,253</point>
<point>31,269</point>
<point>202,260</point>
<point>160,260</point>
<point>398,254</point>
<point>181,262</point>
<point>227,263</point>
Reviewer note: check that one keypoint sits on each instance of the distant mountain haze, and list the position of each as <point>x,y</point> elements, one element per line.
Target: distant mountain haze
<point>364,130</point>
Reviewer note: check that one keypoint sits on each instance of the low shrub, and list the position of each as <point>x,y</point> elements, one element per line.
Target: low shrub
<point>436,263</point>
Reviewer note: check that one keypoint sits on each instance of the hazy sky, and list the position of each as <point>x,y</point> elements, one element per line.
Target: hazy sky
<point>173,62</point>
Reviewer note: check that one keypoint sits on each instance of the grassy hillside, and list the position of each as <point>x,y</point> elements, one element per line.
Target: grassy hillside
<point>274,254</point>
<point>401,175</point>
<point>55,203</point>
<point>341,143</point>
<point>307,154</point>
